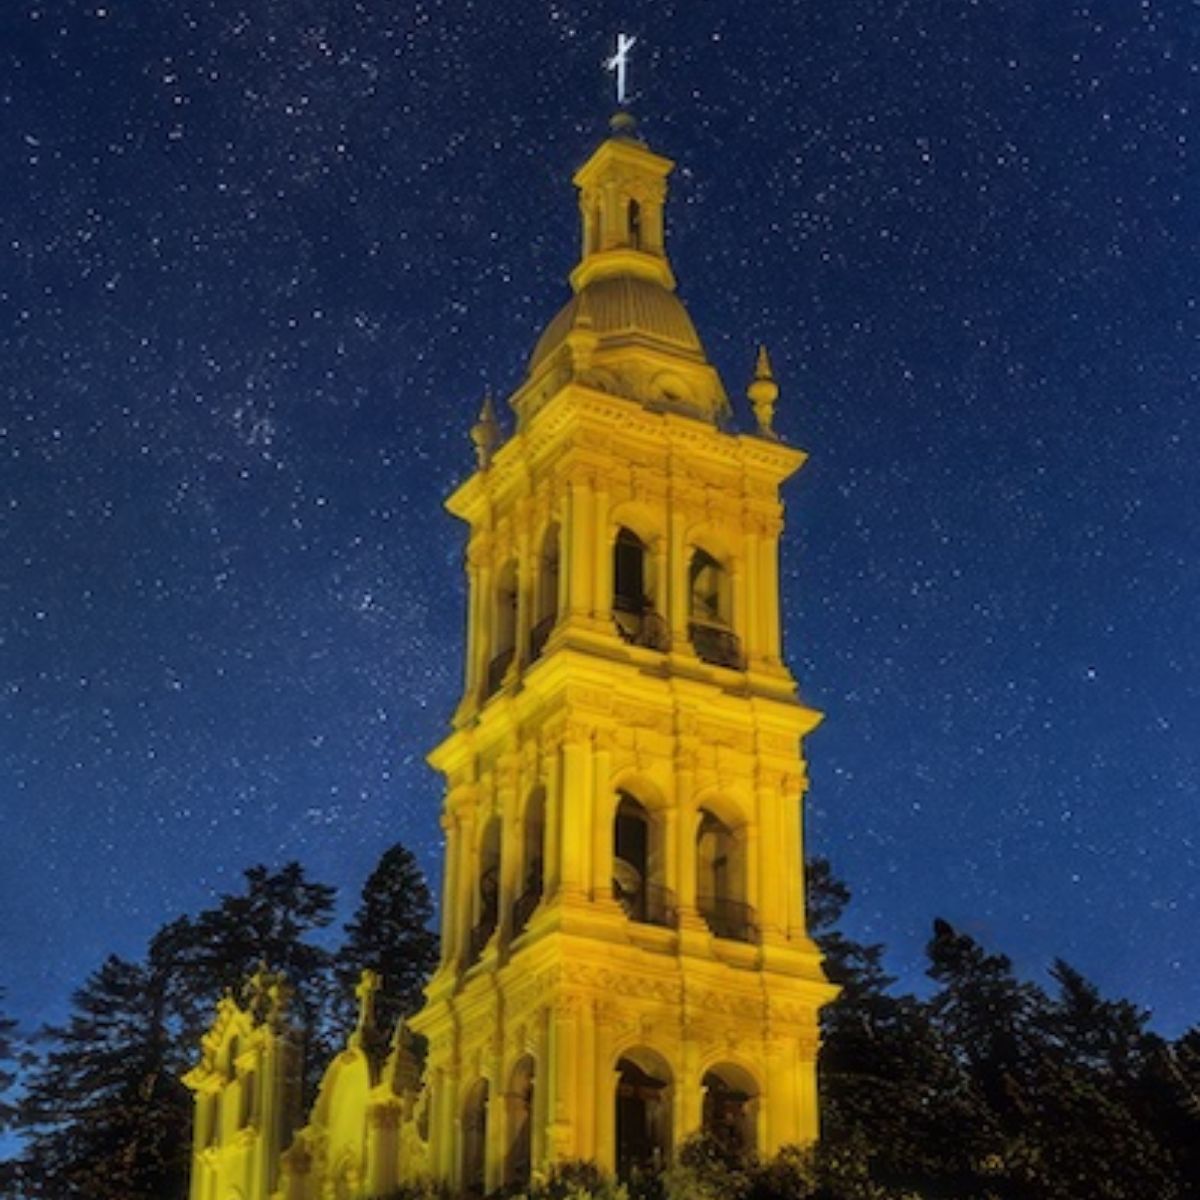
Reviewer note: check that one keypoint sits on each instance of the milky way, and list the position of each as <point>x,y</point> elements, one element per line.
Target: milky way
<point>257,263</point>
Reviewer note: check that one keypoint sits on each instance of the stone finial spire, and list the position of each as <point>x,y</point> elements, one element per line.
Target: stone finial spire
<point>369,984</point>
<point>763,392</point>
<point>485,433</point>
<point>267,995</point>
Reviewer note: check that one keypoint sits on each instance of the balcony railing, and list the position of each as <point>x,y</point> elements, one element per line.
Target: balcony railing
<point>730,919</point>
<point>639,625</point>
<point>539,635</point>
<point>716,645</point>
<point>650,904</point>
<point>524,907</point>
<point>498,668</point>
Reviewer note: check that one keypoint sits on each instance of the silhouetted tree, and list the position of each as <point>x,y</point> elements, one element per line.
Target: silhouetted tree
<point>272,923</point>
<point>104,1112</point>
<point>390,933</point>
<point>11,1058</point>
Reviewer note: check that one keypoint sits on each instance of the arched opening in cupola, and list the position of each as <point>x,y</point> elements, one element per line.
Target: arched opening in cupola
<point>635,224</point>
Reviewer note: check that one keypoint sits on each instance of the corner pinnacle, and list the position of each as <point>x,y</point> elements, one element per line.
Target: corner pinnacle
<point>485,433</point>
<point>763,392</point>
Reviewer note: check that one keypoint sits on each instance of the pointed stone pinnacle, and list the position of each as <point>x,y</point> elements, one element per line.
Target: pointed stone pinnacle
<point>763,392</point>
<point>485,433</point>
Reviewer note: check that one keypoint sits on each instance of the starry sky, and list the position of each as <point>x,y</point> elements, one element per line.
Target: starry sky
<point>257,263</point>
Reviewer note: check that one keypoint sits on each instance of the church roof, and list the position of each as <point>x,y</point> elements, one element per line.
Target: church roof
<point>623,308</point>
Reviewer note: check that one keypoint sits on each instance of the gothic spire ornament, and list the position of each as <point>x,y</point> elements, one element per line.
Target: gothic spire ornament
<point>763,392</point>
<point>485,433</point>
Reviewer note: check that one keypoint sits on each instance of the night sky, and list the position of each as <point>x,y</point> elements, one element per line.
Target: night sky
<point>257,263</point>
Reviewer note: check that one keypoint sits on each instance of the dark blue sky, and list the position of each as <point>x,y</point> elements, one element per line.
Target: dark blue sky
<point>257,262</point>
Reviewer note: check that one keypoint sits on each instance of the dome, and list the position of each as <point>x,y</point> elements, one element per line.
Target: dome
<point>624,306</point>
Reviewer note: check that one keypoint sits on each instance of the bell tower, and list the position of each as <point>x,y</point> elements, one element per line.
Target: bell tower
<point>625,960</point>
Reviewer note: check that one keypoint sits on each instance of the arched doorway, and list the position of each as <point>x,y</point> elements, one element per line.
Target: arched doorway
<point>643,1112</point>
<point>518,1163</point>
<point>730,1109</point>
<point>474,1140</point>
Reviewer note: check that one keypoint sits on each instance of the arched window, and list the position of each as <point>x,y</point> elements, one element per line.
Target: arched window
<point>637,870</point>
<point>487,898</point>
<point>710,610</point>
<point>504,626</point>
<point>533,880</point>
<point>633,607</point>
<point>730,1108</point>
<point>635,224</point>
<point>721,881</point>
<point>643,1112</point>
<point>546,608</point>
<point>629,573</point>
<point>518,1162</point>
<point>707,588</point>
<point>474,1140</point>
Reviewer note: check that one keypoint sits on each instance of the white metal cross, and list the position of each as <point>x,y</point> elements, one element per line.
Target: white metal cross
<point>619,63</point>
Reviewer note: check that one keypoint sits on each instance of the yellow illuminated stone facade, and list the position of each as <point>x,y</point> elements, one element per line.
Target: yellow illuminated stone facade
<point>624,954</point>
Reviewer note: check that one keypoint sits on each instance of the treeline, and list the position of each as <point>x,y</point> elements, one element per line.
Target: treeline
<point>99,1102</point>
<point>991,1088</point>
<point>994,1087</point>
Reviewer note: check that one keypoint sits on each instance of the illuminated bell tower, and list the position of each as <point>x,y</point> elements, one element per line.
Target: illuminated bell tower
<point>624,954</point>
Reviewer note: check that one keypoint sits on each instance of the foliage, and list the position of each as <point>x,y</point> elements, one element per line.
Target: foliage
<point>992,1088</point>
<point>575,1180</point>
<point>271,923</point>
<point>10,1058</point>
<point>390,934</point>
<point>420,1190</point>
<point>104,1112</point>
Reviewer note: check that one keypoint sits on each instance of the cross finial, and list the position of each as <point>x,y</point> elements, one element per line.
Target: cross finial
<point>618,63</point>
<point>368,984</point>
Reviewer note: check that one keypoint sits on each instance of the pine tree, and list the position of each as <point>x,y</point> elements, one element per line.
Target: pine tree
<point>390,934</point>
<point>271,923</point>
<point>11,1059</point>
<point>104,1112</point>
<point>1091,1127</point>
<point>1172,1085</point>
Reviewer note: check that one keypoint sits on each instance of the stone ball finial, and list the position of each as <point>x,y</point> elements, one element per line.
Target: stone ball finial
<point>485,433</point>
<point>763,392</point>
